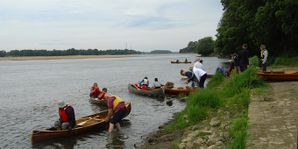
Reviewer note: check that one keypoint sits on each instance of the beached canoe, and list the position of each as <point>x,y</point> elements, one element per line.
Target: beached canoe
<point>289,75</point>
<point>154,93</point>
<point>98,102</point>
<point>182,62</point>
<point>84,124</point>
<point>180,90</point>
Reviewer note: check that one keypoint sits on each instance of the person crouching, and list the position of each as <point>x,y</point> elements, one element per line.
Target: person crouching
<point>66,116</point>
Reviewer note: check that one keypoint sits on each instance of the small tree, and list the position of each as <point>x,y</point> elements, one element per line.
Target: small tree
<point>205,46</point>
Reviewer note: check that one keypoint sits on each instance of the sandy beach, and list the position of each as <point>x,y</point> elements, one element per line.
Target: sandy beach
<point>26,58</point>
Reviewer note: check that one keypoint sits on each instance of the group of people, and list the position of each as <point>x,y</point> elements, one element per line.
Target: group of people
<point>240,60</point>
<point>196,75</point>
<point>144,84</point>
<point>116,110</point>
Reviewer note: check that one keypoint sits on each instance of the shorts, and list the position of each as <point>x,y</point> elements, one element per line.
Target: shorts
<point>118,116</point>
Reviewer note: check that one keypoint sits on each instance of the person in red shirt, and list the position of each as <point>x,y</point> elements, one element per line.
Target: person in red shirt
<point>95,91</point>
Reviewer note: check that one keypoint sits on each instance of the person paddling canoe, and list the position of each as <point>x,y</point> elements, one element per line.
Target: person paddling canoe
<point>67,118</point>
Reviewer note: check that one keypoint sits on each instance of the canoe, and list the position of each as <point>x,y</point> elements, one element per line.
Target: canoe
<point>98,102</point>
<point>154,93</point>
<point>289,75</point>
<point>180,90</point>
<point>182,62</point>
<point>84,124</point>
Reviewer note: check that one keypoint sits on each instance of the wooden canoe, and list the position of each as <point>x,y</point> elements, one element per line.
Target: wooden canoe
<point>289,75</point>
<point>84,124</point>
<point>154,93</point>
<point>182,62</point>
<point>98,102</point>
<point>180,90</point>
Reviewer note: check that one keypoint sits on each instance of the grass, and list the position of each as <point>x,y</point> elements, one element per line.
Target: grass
<point>286,61</point>
<point>238,132</point>
<point>232,94</point>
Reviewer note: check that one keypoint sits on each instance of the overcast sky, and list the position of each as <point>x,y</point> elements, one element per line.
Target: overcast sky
<point>142,25</point>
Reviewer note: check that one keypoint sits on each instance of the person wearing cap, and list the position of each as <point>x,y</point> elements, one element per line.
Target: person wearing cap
<point>94,91</point>
<point>66,116</point>
<point>116,111</point>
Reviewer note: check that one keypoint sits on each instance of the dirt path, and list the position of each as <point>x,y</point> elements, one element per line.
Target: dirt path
<point>273,118</point>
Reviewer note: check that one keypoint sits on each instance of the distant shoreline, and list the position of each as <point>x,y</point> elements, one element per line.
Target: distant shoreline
<point>28,58</point>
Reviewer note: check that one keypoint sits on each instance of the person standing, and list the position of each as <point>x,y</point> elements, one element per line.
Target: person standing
<point>116,111</point>
<point>67,118</point>
<point>264,56</point>
<point>199,64</point>
<point>243,56</point>
<point>201,75</point>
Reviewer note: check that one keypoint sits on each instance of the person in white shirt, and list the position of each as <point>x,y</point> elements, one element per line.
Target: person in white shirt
<point>156,84</point>
<point>264,56</point>
<point>199,64</point>
<point>201,75</point>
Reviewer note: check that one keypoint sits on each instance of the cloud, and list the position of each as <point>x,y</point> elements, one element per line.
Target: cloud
<point>146,24</point>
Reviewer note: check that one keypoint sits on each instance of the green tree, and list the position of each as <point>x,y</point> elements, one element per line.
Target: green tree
<point>273,22</point>
<point>205,46</point>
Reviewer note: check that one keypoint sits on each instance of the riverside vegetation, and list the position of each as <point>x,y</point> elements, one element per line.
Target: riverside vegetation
<point>216,116</point>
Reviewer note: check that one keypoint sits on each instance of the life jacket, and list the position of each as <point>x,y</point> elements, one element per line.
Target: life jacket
<point>117,101</point>
<point>63,114</point>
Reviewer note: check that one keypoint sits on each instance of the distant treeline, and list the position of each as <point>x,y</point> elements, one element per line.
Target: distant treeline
<point>71,51</point>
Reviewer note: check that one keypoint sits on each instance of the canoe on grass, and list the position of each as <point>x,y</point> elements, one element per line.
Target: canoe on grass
<point>84,124</point>
<point>180,90</point>
<point>289,75</point>
<point>98,102</point>
<point>154,93</point>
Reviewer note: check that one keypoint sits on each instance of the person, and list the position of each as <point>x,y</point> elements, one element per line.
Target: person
<point>243,57</point>
<point>199,64</point>
<point>190,77</point>
<point>144,84</point>
<point>116,111</point>
<point>94,91</point>
<point>102,94</point>
<point>235,59</point>
<point>177,61</point>
<point>264,56</point>
<point>201,75</point>
<point>67,118</point>
<point>156,84</point>
<point>185,60</point>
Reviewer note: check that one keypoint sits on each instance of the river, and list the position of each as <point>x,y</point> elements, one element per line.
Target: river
<point>29,91</point>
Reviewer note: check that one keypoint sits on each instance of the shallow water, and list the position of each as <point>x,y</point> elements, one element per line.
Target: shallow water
<point>29,91</point>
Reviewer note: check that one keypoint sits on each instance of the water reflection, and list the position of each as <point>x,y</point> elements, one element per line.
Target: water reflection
<point>66,143</point>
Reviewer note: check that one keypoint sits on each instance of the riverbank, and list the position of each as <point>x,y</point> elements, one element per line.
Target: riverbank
<point>258,116</point>
<point>26,58</point>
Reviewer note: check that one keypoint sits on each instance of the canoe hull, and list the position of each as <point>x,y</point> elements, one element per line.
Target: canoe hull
<point>279,75</point>
<point>180,91</point>
<point>84,124</point>
<point>174,62</point>
<point>154,93</point>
